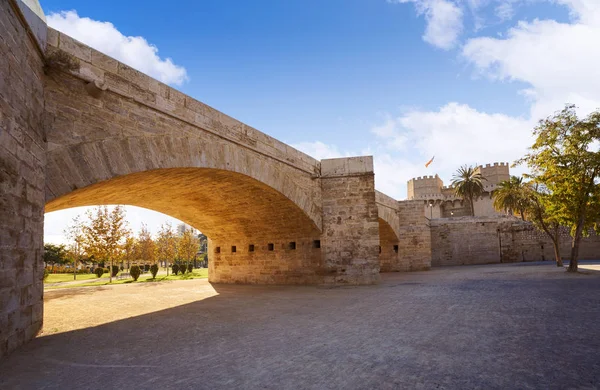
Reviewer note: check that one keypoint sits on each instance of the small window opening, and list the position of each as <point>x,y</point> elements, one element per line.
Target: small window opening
<point>379,248</point>
<point>292,245</point>
<point>316,243</point>
<point>251,248</point>
<point>271,247</point>
<point>218,249</point>
<point>233,249</point>
<point>396,248</point>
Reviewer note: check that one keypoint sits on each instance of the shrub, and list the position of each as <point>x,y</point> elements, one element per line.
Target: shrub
<point>115,270</point>
<point>135,272</point>
<point>146,267</point>
<point>175,269</point>
<point>99,272</point>
<point>61,269</point>
<point>106,270</point>
<point>154,270</point>
<point>46,273</point>
<point>182,268</point>
<point>190,267</point>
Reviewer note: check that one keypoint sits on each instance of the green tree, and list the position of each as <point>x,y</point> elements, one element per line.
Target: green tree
<point>55,254</point>
<point>511,196</point>
<point>565,159</point>
<point>536,198</point>
<point>468,184</point>
<point>146,247</point>
<point>166,247</point>
<point>187,246</point>
<point>104,233</point>
<point>128,249</point>
<point>75,234</point>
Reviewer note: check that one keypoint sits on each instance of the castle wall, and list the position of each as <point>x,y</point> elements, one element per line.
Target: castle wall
<point>484,240</point>
<point>422,186</point>
<point>495,173</point>
<point>22,165</point>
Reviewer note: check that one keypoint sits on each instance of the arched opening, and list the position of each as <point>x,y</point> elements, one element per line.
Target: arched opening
<point>389,257</point>
<point>232,209</point>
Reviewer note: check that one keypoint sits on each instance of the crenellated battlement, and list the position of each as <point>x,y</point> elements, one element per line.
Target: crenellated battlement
<point>496,164</point>
<point>423,178</point>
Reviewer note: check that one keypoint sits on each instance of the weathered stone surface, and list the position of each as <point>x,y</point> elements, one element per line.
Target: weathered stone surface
<point>350,221</point>
<point>22,162</point>
<point>486,240</point>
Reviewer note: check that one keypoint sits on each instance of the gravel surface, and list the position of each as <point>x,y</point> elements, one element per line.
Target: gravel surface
<point>522,326</point>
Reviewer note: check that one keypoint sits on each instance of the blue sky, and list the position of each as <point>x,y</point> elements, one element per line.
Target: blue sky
<point>464,80</point>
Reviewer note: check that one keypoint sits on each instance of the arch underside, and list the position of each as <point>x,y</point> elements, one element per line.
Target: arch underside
<point>389,257</point>
<point>222,204</point>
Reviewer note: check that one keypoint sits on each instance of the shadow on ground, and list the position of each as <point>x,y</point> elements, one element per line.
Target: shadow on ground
<point>467,327</point>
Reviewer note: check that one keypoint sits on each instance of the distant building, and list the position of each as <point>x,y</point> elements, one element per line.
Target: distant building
<point>441,202</point>
<point>182,227</point>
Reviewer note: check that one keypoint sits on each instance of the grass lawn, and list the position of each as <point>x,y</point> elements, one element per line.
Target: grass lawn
<point>201,273</point>
<point>56,278</point>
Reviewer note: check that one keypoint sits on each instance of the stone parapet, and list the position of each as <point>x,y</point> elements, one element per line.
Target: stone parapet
<point>128,82</point>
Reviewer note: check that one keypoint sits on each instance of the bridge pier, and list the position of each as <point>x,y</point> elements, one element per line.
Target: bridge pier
<point>22,177</point>
<point>346,252</point>
<point>350,235</point>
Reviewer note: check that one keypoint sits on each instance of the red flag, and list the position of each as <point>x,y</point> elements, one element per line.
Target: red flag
<point>429,162</point>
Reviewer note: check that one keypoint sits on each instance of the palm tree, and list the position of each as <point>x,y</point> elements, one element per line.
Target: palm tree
<point>468,184</point>
<point>511,196</point>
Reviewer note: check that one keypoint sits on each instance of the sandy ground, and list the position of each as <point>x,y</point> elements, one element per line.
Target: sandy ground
<point>526,326</point>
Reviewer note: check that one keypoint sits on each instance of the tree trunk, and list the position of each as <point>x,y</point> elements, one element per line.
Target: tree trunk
<point>522,215</point>
<point>110,271</point>
<point>557,257</point>
<point>575,245</point>
<point>472,205</point>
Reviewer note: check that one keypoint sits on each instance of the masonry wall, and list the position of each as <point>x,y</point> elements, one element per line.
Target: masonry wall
<point>415,244</point>
<point>466,240</point>
<point>274,261</point>
<point>483,240</point>
<point>350,238</point>
<point>22,162</point>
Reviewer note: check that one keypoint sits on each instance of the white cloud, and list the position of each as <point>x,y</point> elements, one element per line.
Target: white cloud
<point>456,134</point>
<point>133,51</point>
<point>444,21</point>
<point>558,60</point>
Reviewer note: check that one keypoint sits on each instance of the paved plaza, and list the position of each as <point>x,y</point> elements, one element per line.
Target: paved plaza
<point>525,326</point>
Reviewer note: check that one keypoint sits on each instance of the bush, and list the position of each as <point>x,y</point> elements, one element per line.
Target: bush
<point>154,270</point>
<point>146,267</point>
<point>106,270</point>
<point>135,272</point>
<point>46,273</point>
<point>175,269</point>
<point>61,269</point>
<point>115,270</point>
<point>99,272</point>
<point>190,267</point>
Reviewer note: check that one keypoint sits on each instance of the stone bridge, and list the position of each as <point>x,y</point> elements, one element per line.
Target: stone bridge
<point>103,133</point>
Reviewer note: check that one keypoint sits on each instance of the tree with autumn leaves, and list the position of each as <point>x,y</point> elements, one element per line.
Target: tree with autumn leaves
<point>104,233</point>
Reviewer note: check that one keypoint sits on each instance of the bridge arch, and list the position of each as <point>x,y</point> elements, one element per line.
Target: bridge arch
<point>250,208</point>
<point>75,170</point>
